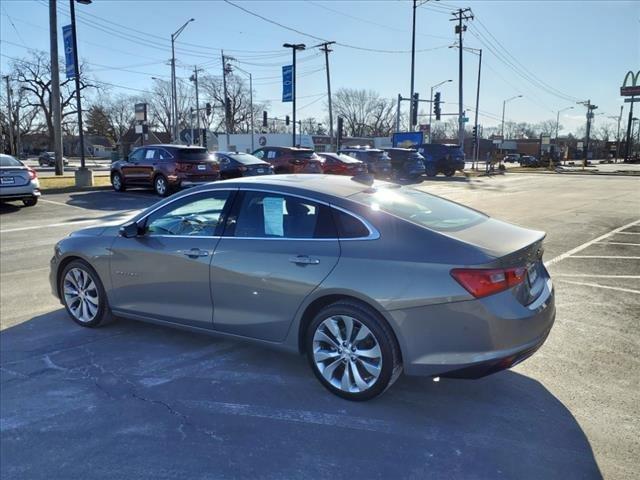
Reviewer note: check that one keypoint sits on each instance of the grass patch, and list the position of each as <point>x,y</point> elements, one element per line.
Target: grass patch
<point>68,183</point>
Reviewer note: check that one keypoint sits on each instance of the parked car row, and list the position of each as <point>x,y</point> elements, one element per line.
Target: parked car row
<point>167,168</point>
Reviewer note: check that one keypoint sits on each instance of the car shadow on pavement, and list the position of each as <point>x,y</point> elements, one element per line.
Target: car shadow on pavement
<point>134,400</point>
<point>112,201</point>
<point>10,207</point>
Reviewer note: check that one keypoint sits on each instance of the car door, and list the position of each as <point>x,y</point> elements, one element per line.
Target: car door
<point>146,166</point>
<point>164,272</point>
<point>131,169</point>
<point>276,250</point>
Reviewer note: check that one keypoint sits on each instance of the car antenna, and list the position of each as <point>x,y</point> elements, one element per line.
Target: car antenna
<point>364,178</point>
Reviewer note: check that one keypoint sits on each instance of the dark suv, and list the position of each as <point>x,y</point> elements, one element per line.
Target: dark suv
<point>290,159</point>
<point>442,158</point>
<point>48,159</point>
<point>406,162</point>
<point>377,161</point>
<point>165,168</point>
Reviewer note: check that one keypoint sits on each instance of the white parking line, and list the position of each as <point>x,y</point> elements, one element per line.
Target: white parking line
<point>628,233</point>
<point>61,204</point>
<point>36,227</point>
<point>595,285</point>
<point>579,248</point>
<point>589,275</point>
<point>619,243</point>
<point>605,256</point>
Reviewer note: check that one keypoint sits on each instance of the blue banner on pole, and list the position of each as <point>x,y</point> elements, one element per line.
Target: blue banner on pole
<point>407,139</point>
<point>67,38</point>
<point>287,83</point>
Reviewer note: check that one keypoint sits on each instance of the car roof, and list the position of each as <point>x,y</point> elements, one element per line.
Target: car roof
<point>333,185</point>
<point>170,145</point>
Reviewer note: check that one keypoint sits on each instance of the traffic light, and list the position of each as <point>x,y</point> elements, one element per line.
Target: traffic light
<point>207,109</point>
<point>204,137</point>
<point>474,133</point>
<point>436,105</point>
<point>415,102</point>
<point>264,118</point>
<point>286,120</point>
<point>340,128</point>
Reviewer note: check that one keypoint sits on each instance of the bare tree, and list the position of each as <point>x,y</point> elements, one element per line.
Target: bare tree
<point>159,102</point>
<point>364,112</point>
<point>25,119</point>
<point>33,74</point>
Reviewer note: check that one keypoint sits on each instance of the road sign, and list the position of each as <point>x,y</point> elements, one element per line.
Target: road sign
<point>67,38</point>
<point>407,139</point>
<point>631,100</point>
<point>141,112</point>
<point>465,119</point>
<point>287,83</point>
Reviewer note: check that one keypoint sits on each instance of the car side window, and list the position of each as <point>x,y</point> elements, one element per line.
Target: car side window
<point>275,215</point>
<point>163,155</point>
<point>137,155</point>
<point>196,215</point>
<point>259,154</point>
<point>349,226</point>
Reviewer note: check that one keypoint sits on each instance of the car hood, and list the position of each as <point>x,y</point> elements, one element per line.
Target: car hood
<point>97,231</point>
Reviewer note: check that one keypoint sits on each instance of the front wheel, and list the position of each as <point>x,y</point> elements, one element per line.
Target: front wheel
<point>118,182</point>
<point>431,170</point>
<point>161,186</point>
<point>352,351</point>
<point>83,294</point>
<point>450,172</point>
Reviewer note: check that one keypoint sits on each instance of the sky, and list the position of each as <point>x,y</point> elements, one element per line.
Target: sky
<point>553,53</point>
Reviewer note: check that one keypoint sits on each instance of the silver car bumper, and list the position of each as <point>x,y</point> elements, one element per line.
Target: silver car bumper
<point>473,338</point>
<point>31,189</point>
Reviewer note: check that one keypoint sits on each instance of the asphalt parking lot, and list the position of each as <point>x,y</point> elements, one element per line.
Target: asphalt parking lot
<point>132,400</point>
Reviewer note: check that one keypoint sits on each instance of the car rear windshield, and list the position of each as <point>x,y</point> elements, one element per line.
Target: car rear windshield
<point>380,156</point>
<point>420,208</point>
<point>193,154</point>
<point>346,158</point>
<point>245,158</point>
<point>304,154</point>
<point>7,161</point>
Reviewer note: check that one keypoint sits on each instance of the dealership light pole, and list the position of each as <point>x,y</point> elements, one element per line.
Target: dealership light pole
<point>83,178</point>
<point>55,86</point>
<point>558,121</point>
<point>431,105</point>
<point>294,48</point>
<point>250,99</point>
<point>504,103</point>
<point>174,99</point>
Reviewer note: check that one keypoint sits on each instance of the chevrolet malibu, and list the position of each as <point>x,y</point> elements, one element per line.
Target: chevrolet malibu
<point>367,279</point>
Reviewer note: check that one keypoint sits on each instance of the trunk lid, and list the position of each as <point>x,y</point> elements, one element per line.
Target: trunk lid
<point>14,176</point>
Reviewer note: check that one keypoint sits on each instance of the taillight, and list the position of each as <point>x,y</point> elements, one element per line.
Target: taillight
<point>32,174</point>
<point>183,167</point>
<point>242,168</point>
<point>482,282</point>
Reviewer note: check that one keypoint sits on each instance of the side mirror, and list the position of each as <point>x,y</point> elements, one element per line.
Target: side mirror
<point>130,230</point>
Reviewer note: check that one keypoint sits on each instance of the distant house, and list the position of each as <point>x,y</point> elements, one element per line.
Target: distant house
<point>94,146</point>
<point>131,140</point>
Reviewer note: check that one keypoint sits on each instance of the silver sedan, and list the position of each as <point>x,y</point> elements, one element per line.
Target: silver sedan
<point>18,182</point>
<point>366,279</point>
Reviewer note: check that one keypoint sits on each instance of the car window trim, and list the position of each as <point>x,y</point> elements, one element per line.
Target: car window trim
<point>373,232</point>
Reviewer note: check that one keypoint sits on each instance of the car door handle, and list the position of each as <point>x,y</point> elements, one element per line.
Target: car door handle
<point>304,260</point>
<point>194,253</point>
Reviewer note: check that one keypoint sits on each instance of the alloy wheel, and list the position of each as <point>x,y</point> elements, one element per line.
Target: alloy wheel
<point>117,182</point>
<point>81,295</point>
<point>161,186</point>
<point>347,354</point>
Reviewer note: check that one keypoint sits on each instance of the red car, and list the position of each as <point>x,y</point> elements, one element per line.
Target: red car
<point>338,164</point>
<point>290,159</point>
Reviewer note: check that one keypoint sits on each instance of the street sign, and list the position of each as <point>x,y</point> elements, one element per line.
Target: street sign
<point>407,139</point>
<point>631,100</point>
<point>141,112</point>
<point>287,83</point>
<point>67,38</point>
<point>634,84</point>
<point>465,119</point>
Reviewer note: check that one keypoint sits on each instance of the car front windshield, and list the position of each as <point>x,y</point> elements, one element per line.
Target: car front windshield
<point>420,208</point>
<point>8,161</point>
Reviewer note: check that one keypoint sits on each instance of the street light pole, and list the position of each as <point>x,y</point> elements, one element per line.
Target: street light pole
<point>55,86</point>
<point>294,48</point>
<point>431,105</point>
<point>250,101</point>
<point>77,83</point>
<point>476,142</point>
<point>174,95</point>
<point>504,103</point>
<point>10,114</point>
<point>413,62</point>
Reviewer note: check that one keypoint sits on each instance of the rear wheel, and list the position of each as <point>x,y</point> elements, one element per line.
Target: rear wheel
<point>118,182</point>
<point>30,202</point>
<point>431,170</point>
<point>161,186</point>
<point>83,294</point>
<point>450,172</point>
<point>352,352</point>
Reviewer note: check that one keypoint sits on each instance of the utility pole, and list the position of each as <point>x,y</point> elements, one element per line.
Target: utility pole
<point>618,134</point>
<point>253,129</point>
<point>590,114</point>
<point>294,48</point>
<point>195,81</point>
<point>55,86</point>
<point>431,106</point>
<point>10,115</point>
<point>226,98</point>
<point>476,143</point>
<point>325,48</point>
<point>413,61</point>
<point>463,14</point>
<point>398,113</point>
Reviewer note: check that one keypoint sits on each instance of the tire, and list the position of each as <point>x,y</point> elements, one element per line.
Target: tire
<point>89,309</point>
<point>40,162</point>
<point>368,375</point>
<point>117,182</point>
<point>30,202</point>
<point>431,170</point>
<point>450,172</point>
<point>161,185</point>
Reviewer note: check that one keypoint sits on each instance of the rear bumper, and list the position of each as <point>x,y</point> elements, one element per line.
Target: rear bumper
<point>32,189</point>
<point>473,338</point>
